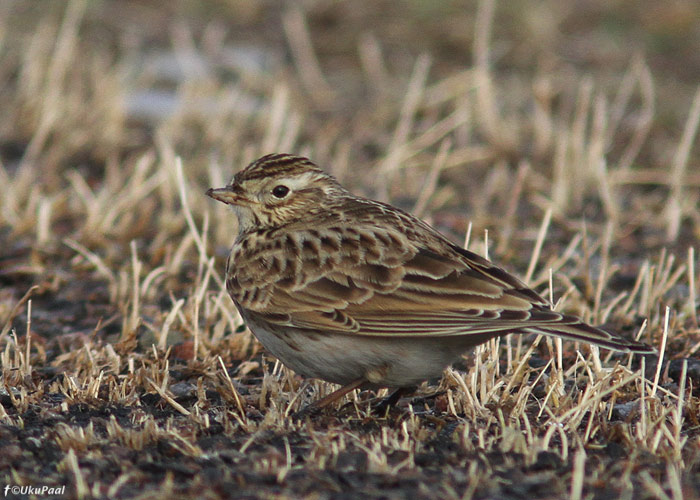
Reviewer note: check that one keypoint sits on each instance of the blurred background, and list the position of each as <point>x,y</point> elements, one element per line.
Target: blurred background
<point>335,78</point>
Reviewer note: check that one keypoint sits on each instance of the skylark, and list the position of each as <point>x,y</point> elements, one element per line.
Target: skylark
<point>360,293</point>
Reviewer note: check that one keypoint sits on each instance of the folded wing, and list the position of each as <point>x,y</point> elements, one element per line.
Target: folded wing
<point>378,282</point>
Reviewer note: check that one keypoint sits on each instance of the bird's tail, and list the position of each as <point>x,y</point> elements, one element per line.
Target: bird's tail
<point>578,330</point>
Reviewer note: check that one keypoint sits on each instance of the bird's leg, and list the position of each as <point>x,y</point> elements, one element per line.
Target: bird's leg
<point>330,398</point>
<point>393,398</point>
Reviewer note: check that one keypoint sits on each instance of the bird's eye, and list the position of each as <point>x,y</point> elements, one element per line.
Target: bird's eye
<point>280,191</point>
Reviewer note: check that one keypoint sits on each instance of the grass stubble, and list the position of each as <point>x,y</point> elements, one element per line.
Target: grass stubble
<point>127,372</point>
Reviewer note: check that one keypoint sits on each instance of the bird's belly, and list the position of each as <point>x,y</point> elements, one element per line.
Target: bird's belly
<point>339,358</point>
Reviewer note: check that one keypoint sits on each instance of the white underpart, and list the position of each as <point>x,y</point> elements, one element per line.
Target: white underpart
<point>338,358</point>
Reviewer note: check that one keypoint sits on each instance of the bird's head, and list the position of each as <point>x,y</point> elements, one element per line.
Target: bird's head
<point>275,190</point>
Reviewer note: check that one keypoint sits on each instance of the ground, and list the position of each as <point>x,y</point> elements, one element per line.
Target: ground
<point>558,138</point>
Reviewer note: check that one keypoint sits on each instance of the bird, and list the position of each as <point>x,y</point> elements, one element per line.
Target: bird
<point>360,293</point>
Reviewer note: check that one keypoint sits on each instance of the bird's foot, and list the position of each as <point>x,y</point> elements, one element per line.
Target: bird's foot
<point>314,408</point>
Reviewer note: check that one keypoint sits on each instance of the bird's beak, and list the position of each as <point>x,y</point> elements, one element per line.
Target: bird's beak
<point>225,195</point>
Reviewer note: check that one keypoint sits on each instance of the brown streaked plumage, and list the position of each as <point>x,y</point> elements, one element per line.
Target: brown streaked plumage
<point>355,291</point>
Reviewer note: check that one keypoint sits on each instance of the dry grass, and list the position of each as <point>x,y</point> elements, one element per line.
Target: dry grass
<point>126,372</point>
